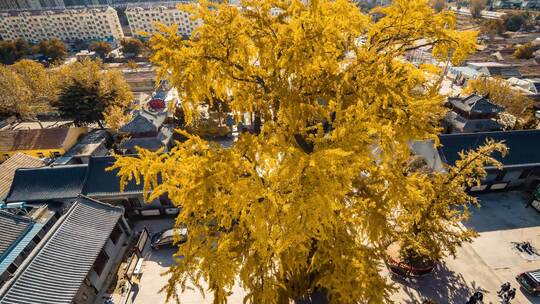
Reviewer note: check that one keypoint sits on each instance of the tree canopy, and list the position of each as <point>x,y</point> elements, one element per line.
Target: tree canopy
<point>525,51</point>
<point>54,49</point>
<point>13,50</point>
<point>438,5</point>
<point>514,22</point>
<point>101,48</point>
<point>132,46</point>
<point>27,89</point>
<point>501,92</point>
<point>476,7</point>
<point>89,91</point>
<point>310,202</point>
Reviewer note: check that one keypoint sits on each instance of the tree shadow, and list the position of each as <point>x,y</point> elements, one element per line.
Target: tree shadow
<point>495,208</point>
<point>442,286</point>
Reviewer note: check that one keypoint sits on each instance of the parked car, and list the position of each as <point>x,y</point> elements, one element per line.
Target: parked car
<point>530,281</point>
<point>165,238</point>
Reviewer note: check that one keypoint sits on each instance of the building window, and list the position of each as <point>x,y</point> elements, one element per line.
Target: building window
<point>100,262</point>
<point>499,186</point>
<point>500,176</point>
<point>115,234</point>
<point>12,268</point>
<point>478,188</point>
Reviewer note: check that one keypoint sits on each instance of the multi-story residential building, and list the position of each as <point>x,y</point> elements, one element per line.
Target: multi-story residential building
<point>30,4</point>
<point>99,23</point>
<point>87,2</point>
<point>142,18</point>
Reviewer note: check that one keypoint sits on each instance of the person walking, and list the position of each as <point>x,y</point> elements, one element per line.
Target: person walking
<point>472,300</point>
<point>479,296</point>
<point>504,288</point>
<point>510,295</point>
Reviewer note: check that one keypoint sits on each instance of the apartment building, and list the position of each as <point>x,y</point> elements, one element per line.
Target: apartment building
<point>30,4</point>
<point>142,18</point>
<point>99,23</point>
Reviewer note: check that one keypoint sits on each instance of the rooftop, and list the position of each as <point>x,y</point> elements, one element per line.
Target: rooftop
<point>477,104</point>
<point>88,144</point>
<point>523,146</point>
<point>155,5</point>
<point>100,182</point>
<point>68,181</point>
<point>8,168</point>
<point>471,125</point>
<point>56,11</point>
<point>13,227</point>
<point>47,183</point>
<point>34,139</point>
<point>64,257</point>
<point>149,143</point>
<point>144,122</point>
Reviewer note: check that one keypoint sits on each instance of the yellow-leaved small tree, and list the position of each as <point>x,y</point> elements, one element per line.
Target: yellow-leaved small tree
<point>310,201</point>
<point>28,89</point>
<point>501,92</point>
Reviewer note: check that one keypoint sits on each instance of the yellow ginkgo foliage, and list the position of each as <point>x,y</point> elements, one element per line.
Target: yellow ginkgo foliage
<point>310,202</point>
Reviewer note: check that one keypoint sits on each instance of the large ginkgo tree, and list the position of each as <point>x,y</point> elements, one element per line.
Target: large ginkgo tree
<point>310,200</point>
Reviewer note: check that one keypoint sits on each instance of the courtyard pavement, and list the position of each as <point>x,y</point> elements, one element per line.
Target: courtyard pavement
<point>156,263</point>
<point>489,260</point>
<point>483,265</point>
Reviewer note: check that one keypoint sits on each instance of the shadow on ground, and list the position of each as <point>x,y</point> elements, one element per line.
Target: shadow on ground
<point>442,286</point>
<point>163,257</point>
<point>502,211</point>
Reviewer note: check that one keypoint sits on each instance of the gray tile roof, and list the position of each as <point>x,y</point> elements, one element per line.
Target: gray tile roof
<point>464,125</point>
<point>8,168</point>
<point>12,228</point>
<point>144,122</point>
<point>475,104</point>
<point>504,72</point>
<point>102,183</point>
<point>47,183</point>
<point>56,272</point>
<point>162,139</point>
<point>68,181</point>
<point>523,146</point>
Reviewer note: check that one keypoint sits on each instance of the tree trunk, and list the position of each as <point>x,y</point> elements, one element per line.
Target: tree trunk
<point>257,122</point>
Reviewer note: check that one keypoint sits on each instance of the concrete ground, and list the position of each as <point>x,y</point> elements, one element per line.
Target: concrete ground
<point>483,265</point>
<point>156,263</point>
<point>489,261</point>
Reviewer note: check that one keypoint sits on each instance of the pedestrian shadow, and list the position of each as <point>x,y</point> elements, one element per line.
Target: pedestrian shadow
<point>442,286</point>
<point>135,292</point>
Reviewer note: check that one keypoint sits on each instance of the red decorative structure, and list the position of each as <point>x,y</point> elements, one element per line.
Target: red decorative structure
<point>402,268</point>
<point>156,104</point>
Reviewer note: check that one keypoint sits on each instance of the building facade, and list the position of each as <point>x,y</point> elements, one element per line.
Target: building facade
<point>30,4</point>
<point>99,23</point>
<point>143,18</point>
